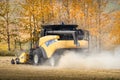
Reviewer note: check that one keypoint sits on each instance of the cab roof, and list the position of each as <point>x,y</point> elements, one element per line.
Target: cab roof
<point>59,27</point>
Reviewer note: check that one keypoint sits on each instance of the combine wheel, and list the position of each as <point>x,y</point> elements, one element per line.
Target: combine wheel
<point>12,61</point>
<point>17,61</point>
<point>37,57</point>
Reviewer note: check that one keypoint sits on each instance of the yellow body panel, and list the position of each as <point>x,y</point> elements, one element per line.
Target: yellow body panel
<point>23,58</point>
<point>59,44</point>
<point>47,38</point>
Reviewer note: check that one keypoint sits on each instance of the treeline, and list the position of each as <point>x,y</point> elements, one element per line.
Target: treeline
<point>20,20</point>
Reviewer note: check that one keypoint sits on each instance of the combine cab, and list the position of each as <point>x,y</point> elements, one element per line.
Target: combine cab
<point>54,39</point>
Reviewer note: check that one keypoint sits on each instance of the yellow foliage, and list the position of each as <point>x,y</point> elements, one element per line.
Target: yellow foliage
<point>115,32</point>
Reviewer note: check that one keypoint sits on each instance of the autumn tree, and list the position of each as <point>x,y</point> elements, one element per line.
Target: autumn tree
<point>115,32</point>
<point>4,14</point>
<point>88,14</point>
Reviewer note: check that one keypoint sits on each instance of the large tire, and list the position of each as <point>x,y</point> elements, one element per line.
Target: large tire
<point>12,61</point>
<point>37,57</point>
<point>53,61</point>
<point>17,61</point>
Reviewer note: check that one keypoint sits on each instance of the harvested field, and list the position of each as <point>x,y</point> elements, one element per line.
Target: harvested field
<point>32,72</point>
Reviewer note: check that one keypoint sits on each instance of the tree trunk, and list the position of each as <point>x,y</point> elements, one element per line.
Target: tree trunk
<point>7,26</point>
<point>31,40</point>
<point>20,45</point>
<point>42,4</point>
<point>15,44</point>
<point>34,34</point>
<point>68,12</point>
<point>99,23</point>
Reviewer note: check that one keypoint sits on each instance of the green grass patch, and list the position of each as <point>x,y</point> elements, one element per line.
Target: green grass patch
<point>7,53</point>
<point>4,50</point>
<point>3,46</point>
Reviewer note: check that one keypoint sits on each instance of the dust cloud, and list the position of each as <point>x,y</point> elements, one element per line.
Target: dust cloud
<point>103,60</point>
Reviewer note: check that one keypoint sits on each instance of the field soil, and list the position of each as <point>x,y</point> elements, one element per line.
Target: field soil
<point>33,72</point>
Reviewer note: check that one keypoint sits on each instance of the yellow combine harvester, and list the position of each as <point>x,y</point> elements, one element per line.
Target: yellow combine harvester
<point>53,41</point>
